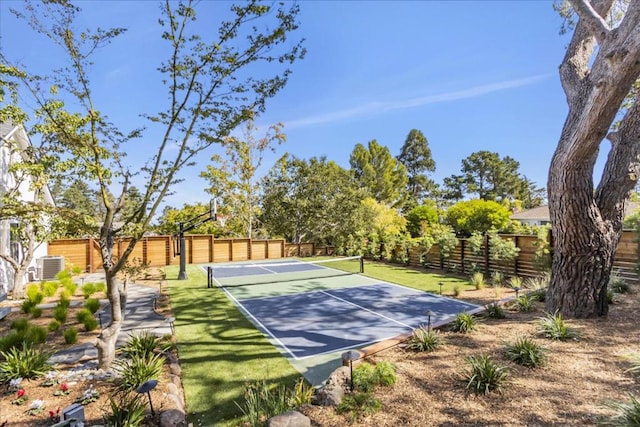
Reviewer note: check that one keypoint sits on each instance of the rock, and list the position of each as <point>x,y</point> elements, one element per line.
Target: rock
<point>289,419</point>
<point>339,377</point>
<point>177,401</point>
<point>173,418</point>
<point>329,395</point>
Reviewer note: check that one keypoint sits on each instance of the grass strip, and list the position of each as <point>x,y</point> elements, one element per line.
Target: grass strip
<point>220,350</point>
<point>414,277</point>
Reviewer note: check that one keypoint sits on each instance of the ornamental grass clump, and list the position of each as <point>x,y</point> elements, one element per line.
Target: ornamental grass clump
<point>423,339</point>
<point>495,311</point>
<point>477,280</point>
<point>483,375</point>
<point>526,352</point>
<point>552,326</point>
<point>627,413</point>
<point>23,362</point>
<point>523,303</point>
<point>463,323</point>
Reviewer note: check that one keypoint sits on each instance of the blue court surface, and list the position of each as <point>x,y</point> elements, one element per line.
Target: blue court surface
<point>311,309</point>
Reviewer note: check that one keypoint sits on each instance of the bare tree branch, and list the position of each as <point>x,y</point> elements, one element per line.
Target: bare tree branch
<point>593,19</point>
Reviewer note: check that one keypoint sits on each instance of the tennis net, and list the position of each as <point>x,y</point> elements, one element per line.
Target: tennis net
<point>273,272</point>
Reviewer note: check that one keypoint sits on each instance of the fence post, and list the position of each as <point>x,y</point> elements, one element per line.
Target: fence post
<point>462,255</point>
<point>516,241</point>
<point>486,254</point>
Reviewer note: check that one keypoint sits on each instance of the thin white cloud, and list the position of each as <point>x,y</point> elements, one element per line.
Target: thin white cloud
<point>378,107</point>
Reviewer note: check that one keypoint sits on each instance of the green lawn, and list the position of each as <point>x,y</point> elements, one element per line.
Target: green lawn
<point>221,351</point>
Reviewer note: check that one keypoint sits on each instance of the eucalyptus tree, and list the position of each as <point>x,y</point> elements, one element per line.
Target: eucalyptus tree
<point>214,82</point>
<point>599,71</point>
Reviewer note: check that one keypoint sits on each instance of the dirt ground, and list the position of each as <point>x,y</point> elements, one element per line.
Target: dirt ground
<point>12,415</point>
<point>572,389</point>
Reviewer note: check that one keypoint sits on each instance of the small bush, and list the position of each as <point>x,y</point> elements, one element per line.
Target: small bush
<point>101,287</point>
<point>140,345</point>
<point>463,323</point>
<point>495,311</point>
<point>302,393</point>
<point>539,295</point>
<point>477,280</point>
<point>367,376</point>
<point>76,270</point>
<point>483,375</point>
<point>627,414</point>
<point>23,362</point>
<point>36,312</point>
<point>523,303</point>
<point>526,352</point>
<point>515,282</point>
<point>70,286</point>
<point>49,288</point>
<point>88,289</point>
<point>137,370</point>
<point>552,326</point>
<point>83,314</point>
<point>423,339</point>
<point>12,340</point>
<point>385,374</point>
<point>33,293</point>
<point>65,296</point>
<point>70,335</point>
<point>537,283</point>
<point>35,334</point>
<point>128,411</point>
<point>90,323</point>
<point>497,278</point>
<point>54,326</point>
<point>457,290</point>
<point>618,284</point>
<point>64,274</point>
<point>92,305</point>
<point>358,405</point>
<point>634,359</point>
<point>60,313</point>
<point>20,325</point>
<point>27,306</point>
<point>262,402</point>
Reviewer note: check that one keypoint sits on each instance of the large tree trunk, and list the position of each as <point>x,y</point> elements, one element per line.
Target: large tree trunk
<point>587,224</point>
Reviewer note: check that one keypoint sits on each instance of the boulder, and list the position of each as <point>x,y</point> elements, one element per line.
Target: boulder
<point>173,418</point>
<point>289,419</point>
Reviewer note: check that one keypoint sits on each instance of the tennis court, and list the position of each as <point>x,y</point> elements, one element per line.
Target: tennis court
<point>315,308</point>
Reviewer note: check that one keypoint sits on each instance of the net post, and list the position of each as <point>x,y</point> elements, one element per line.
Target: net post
<point>209,276</point>
<point>361,264</point>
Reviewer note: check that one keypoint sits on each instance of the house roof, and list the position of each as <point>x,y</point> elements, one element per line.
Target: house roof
<point>541,213</point>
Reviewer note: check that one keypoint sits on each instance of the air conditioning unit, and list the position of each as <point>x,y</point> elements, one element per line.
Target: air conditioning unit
<point>50,266</point>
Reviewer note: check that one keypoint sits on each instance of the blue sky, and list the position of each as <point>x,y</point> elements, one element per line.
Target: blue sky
<point>471,75</point>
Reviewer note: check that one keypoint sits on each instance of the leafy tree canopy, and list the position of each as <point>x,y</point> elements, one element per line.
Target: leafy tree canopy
<point>421,217</point>
<point>477,215</point>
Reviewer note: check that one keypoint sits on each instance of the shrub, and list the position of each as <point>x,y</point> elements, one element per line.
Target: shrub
<point>552,326</point>
<point>65,298</point>
<point>495,311</point>
<point>24,362</point>
<point>358,404</point>
<point>64,274</point>
<point>526,352</point>
<point>92,305</point>
<point>141,345</point>
<point>137,370</point>
<point>385,374</point>
<point>523,303</point>
<point>20,325</point>
<point>83,314</point>
<point>54,326</point>
<point>76,270</point>
<point>36,312</point>
<point>262,401</point>
<point>128,411</point>
<point>70,335</point>
<point>34,294</point>
<point>483,375</point>
<point>634,359</point>
<point>537,283</point>
<point>60,313</point>
<point>90,323</point>
<point>27,306</point>
<point>88,289</point>
<point>101,287</point>
<point>497,278</point>
<point>463,323</point>
<point>477,280</point>
<point>49,288</point>
<point>70,286</point>
<point>302,393</point>
<point>515,282</point>
<point>367,376</point>
<point>611,296</point>
<point>35,334</point>
<point>12,340</point>
<point>627,414</point>
<point>423,339</point>
<point>457,290</point>
<point>617,284</point>
<point>539,295</point>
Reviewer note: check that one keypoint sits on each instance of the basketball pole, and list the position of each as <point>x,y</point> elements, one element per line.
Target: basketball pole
<point>211,215</point>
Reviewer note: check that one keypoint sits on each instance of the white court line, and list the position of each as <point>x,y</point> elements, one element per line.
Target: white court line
<point>366,309</point>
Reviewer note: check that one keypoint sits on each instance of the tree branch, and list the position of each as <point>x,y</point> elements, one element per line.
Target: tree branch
<point>593,20</point>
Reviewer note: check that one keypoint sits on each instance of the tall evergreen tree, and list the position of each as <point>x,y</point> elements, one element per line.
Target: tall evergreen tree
<point>415,155</point>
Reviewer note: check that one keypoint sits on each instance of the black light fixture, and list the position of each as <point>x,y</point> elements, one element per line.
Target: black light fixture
<point>517,289</point>
<point>429,313</point>
<point>350,356</point>
<point>441,285</point>
<point>146,387</point>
